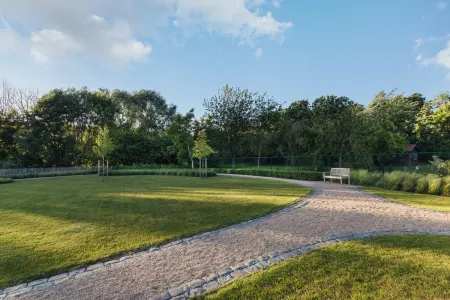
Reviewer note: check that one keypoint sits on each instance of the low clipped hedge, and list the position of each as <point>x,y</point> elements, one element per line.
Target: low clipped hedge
<point>170,172</point>
<point>6,180</point>
<point>55,174</point>
<point>124,172</point>
<point>299,175</point>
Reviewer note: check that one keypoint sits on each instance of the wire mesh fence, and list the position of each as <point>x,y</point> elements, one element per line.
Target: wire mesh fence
<point>418,162</point>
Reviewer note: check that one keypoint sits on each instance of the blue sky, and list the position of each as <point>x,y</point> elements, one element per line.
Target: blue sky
<point>188,49</point>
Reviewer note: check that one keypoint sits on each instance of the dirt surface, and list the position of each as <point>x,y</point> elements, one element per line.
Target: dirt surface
<point>333,209</point>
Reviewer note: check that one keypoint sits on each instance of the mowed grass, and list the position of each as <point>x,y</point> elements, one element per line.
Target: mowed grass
<point>438,203</point>
<point>389,267</point>
<point>52,225</point>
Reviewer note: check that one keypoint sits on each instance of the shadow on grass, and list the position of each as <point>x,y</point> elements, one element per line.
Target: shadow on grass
<point>51,225</point>
<point>392,267</point>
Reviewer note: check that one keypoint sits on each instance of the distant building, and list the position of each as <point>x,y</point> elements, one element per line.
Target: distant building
<point>412,157</point>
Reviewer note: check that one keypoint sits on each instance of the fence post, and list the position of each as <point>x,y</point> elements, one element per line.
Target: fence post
<point>233,162</point>
<point>270,162</point>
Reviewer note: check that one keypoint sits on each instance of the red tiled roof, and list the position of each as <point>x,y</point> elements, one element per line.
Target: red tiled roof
<point>410,147</point>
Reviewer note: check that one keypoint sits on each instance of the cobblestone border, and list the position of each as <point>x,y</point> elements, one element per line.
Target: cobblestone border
<point>48,282</point>
<point>227,275</point>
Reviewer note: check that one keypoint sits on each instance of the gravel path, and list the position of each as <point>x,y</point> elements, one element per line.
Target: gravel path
<point>332,210</point>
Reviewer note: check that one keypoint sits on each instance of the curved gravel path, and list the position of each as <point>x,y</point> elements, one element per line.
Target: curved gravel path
<point>332,210</point>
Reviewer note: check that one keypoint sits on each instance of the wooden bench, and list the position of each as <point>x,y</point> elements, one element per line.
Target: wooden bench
<point>337,173</point>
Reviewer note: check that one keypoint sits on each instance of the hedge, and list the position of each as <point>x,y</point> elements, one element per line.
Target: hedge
<point>6,180</point>
<point>299,175</point>
<point>55,174</point>
<point>404,181</point>
<point>172,172</point>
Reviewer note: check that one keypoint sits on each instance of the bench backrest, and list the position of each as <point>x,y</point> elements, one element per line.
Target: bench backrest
<point>340,171</point>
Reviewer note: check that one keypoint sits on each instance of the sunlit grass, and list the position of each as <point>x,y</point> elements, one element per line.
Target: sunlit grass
<point>393,267</point>
<point>56,224</point>
<point>439,203</point>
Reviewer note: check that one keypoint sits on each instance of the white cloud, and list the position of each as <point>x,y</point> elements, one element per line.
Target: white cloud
<point>97,19</point>
<point>419,57</point>
<point>119,31</point>
<point>48,45</point>
<point>441,5</point>
<point>276,3</point>
<point>442,58</point>
<point>259,52</point>
<point>424,41</point>
<point>131,51</point>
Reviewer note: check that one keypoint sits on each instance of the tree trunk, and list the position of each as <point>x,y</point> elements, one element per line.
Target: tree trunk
<point>259,151</point>
<point>190,156</point>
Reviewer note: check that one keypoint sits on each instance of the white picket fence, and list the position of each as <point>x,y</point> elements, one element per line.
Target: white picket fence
<point>6,172</point>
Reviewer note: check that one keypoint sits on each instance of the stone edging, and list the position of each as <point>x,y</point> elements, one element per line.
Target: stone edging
<point>227,275</point>
<point>81,272</point>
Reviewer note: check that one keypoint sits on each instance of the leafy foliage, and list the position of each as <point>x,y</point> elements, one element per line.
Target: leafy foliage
<point>201,147</point>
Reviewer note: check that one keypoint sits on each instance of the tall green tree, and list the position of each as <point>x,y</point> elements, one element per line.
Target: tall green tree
<point>232,112</point>
<point>333,120</point>
<point>181,132</point>
<point>433,124</point>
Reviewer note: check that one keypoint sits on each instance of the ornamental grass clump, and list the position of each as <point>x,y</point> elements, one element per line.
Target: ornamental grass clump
<point>409,183</point>
<point>434,184</point>
<point>422,185</point>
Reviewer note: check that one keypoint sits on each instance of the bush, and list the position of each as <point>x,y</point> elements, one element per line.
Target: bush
<point>422,185</point>
<point>299,175</point>
<point>410,182</point>
<point>434,184</point>
<point>174,172</point>
<point>56,174</point>
<point>446,186</point>
<point>6,180</point>
<point>364,177</point>
<point>394,180</point>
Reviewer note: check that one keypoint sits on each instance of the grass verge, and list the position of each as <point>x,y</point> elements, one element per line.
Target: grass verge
<point>52,225</point>
<point>388,267</point>
<point>438,203</point>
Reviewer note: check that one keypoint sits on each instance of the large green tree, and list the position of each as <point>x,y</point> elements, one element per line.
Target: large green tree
<point>232,112</point>
<point>181,133</point>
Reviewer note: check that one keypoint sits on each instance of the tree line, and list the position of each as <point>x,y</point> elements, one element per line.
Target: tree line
<point>62,127</point>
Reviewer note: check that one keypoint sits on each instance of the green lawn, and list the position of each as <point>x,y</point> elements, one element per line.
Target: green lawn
<point>389,267</point>
<point>438,203</point>
<point>55,224</point>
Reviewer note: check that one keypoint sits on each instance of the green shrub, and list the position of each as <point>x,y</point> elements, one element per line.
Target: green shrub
<point>393,180</point>
<point>422,185</point>
<point>6,180</point>
<point>446,186</point>
<point>299,175</point>
<point>364,177</point>
<point>56,174</point>
<point>410,182</point>
<point>434,184</point>
<point>174,172</point>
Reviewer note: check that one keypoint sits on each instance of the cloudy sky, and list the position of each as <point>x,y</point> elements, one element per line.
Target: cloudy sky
<point>188,49</point>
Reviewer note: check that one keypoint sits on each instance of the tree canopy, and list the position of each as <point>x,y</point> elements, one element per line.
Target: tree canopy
<point>74,126</point>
